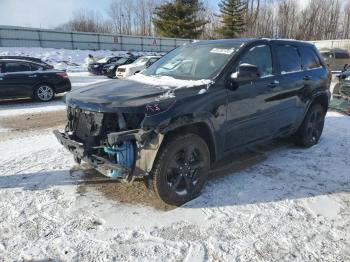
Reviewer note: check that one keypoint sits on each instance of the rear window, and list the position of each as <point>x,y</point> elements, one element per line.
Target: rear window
<point>289,59</point>
<point>12,67</point>
<point>309,59</point>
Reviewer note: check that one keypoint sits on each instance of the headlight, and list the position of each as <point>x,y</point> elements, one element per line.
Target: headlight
<point>111,67</point>
<point>95,66</point>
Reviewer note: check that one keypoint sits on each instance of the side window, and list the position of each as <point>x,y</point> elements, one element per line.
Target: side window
<point>261,57</point>
<point>341,55</point>
<point>12,67</point>
<point>1,68</point>
<point>289,59</point>
<point>308,58</point>
<point>35,67</point>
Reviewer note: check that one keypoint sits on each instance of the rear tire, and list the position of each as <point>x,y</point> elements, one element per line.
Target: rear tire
<point>311,129</point>
<point>44,93</point>
<point>181,169</point>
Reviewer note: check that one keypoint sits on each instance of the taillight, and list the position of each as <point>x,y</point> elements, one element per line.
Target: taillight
<point>62,74</point>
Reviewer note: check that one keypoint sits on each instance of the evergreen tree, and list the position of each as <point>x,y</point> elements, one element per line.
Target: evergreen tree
<point>180,19</point>
<point>232,14</point>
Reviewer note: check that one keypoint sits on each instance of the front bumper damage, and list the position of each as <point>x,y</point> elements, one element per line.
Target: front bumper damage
<point>147,144</point>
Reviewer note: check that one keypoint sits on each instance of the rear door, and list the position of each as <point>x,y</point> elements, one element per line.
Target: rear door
<point>18,79</point>
<point>286,98</point>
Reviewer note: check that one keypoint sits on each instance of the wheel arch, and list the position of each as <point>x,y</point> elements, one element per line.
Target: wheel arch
<point>322,99</point>
<point>201,129</point>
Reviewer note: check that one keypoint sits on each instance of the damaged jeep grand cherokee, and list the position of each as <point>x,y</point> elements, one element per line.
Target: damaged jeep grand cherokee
<point>196,105</point>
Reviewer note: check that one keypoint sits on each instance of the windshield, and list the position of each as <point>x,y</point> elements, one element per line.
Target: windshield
<point>122,60</point>
<point>104,60</point>
<point>141,60</point>
<point>194,61</point>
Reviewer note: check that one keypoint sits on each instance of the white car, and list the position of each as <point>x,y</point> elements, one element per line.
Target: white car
<point>135,67</point>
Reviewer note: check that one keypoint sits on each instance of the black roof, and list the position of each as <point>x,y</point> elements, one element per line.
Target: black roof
<point>238,41</point>
<point>33,59</point>
<point>25,59</point>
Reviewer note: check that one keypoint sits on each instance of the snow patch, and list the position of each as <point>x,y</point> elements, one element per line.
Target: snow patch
<point>65,59</point>
<point>167,82</point>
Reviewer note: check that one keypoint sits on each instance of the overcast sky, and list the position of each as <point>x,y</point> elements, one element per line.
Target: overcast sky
<point>44,13</point>
<point>50,13</point>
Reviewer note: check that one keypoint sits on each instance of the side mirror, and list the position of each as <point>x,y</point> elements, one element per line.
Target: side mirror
<point>246,72</point>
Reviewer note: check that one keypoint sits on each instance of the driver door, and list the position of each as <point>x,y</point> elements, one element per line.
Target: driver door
<point>250,117</point>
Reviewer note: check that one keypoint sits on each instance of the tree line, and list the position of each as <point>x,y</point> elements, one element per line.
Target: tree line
<point>196,19</point>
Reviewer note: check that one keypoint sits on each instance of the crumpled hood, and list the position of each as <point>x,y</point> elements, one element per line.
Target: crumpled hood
<point>112,95</point>
<point>129,95</point>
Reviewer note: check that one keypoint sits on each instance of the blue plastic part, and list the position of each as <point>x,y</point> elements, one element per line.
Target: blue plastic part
<point>123,155</point>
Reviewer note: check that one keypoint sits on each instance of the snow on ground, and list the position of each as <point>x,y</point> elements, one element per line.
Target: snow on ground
<point>290,204</point>
<point>78,79</point>
<point>71,60</point>
<point>281,203</point>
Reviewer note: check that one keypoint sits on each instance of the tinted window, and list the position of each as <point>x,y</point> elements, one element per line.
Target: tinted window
<point>309,59</point>
<point>35,67</point>
<point>341,55</point>
<point>259,56</point>
<point>289,59</point>
<point>1,68</point>
<point>17,67</point>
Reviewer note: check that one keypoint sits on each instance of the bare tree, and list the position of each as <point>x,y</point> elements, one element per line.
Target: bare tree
<point>86,21</point>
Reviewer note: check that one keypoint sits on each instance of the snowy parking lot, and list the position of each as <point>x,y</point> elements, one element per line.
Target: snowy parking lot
<point>275,202</point>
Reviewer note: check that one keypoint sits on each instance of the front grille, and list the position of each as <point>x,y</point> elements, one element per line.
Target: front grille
<point>84,124</point>
<point>92,127</point>
<point>121,70</point>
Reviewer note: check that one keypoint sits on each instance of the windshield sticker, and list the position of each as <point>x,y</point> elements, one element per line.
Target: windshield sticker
<point>223,51</point>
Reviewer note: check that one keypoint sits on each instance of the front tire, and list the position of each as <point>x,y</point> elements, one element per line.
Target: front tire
<point>311,129</point>
<point>181,169</point>
<point>44,93</point>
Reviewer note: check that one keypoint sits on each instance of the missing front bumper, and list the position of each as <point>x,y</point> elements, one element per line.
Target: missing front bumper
<point>148,144</point>
<point>99,163</point>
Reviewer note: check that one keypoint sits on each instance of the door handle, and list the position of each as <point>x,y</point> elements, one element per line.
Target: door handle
<point>274,84</point>
<point>307,78</point>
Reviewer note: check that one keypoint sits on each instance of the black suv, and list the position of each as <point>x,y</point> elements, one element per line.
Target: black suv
<point>27,77</point>
<point>194,106</point>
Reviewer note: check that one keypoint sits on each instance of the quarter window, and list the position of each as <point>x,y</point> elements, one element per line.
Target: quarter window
<point>12,67</point>
<point>309,59</point>
<point>36,67</point>
<point>261,57</point>
<point>289,59</point>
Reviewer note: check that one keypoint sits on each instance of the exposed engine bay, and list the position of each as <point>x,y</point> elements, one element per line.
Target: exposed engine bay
<point>111,142</point>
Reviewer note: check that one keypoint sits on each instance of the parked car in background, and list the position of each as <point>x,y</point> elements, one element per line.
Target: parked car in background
<point>196,105</point>
<point>26,78</point>
<point>31,59</point>
<point>96,68</point>
<point>341,93</point>
<point>109,70</point>
<point>136,67</point>
<point>336,58</point>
